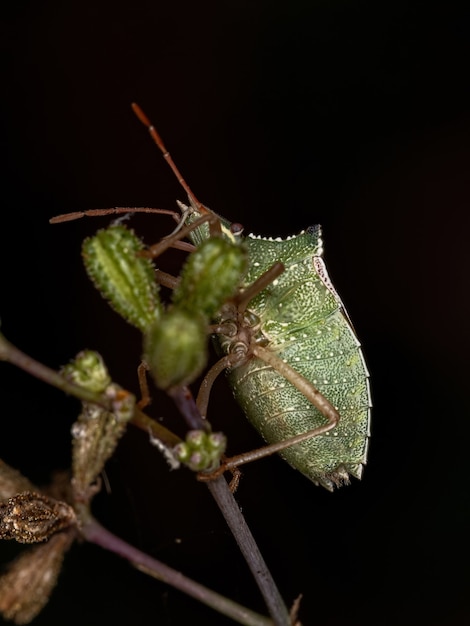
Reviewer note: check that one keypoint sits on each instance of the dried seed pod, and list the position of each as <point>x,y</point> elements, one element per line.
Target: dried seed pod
<point>97,430</point>
<point>95,436</point>
<point>31,517</point>
<point>27,585</point>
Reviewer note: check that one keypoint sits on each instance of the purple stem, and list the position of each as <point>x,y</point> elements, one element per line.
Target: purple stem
<point>93,532</point>
<point>236,522</point>
<point>186,404</point>
<point>249,548</point>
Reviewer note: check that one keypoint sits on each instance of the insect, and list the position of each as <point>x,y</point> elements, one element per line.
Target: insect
<point>291,354</point>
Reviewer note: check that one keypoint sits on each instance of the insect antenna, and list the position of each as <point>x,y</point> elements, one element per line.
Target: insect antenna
<point>196,206</point>
<point>167,156</point>
<point>215,228</point>
<point>69,217</point>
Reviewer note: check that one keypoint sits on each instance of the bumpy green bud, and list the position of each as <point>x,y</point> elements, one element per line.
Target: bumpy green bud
<point>210,275</point>
<point>175,348</point>
<point>88,370</point>
<point>125,279</point>
<point>201,451</point>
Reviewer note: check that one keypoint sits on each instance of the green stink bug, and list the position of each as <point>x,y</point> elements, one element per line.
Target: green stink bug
<point>294,361</point>
<point>296,329</point>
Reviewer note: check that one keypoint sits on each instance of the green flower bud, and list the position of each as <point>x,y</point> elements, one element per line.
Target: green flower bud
<point>182,452</point>
<point>124,278</point>
<point>210,275</point>
<point>201,451</point>
<point>88,370</point>
<point>175,348</point>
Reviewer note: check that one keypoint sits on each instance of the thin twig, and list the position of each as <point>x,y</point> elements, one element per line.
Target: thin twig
<point>11,354</point>
<point>240,530</point>
<point>154,428</point>
<point>93,532</point>
<point>236,522</point>
<point>218,488</point>
<point>184,401</point>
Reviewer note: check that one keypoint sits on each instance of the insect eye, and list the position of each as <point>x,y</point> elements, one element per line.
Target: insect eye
<point>236,229</point>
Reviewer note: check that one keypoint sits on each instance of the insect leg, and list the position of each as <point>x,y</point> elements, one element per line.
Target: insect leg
<point>202,402</point>
<point>171,240</point>
<point>308,390</point>
<point>145,399</point>
<point>305,387</point>
<point>244,297</point>
<point>202,399</point>
<point>260,453</point>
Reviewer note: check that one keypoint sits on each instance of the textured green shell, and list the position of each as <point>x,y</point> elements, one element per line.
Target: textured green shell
<point>304,322</point>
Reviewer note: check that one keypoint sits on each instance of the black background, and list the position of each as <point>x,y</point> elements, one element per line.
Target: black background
<point>355,115</point>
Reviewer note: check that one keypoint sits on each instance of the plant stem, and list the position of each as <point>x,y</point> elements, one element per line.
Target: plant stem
<point>93,532</point>
<point>11,354</point>
<point>154,429</point>
<point>184,401</point>
<point>236,522</point>
<point>240,530</point>
<point>218,488</point>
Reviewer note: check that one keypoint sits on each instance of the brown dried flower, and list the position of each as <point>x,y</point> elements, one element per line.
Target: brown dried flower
<point>31,517</point>
<point>30,579</point>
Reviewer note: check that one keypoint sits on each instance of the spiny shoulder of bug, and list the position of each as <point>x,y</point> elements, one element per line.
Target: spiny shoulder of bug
<point>263,251</point>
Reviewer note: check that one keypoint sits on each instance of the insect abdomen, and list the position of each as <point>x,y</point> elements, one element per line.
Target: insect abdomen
<point>279,411</point>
